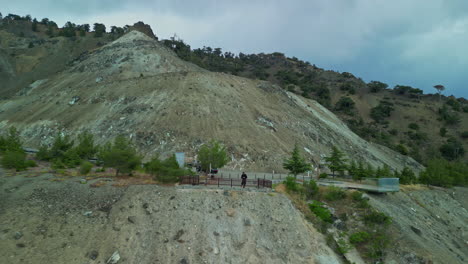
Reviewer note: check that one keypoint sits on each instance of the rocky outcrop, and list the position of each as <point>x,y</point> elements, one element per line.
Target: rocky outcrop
<point>144,28</point>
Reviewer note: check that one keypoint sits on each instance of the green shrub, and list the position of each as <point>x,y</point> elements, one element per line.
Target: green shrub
<point>310,188</point>
<point>402,149</point>
<point>31,163</point>
<point>357,196</point>
<point>58,164</point>
<point>377,218</point>
<point>14,160</point>
<point>166,171</point>
<point>413,126</point>
<point>335,194</point>
<point>323,175</point>
<point>120,155</point>
<point>320,211</point>
<point>291,184</point>
<point>343,247</point>
<point>345,105</point>
<point>443,131</point>
<point>85,167</point>
<point>464,134</point>
<point>359,238</point>
<point>44,153</point>
<point>407,176</point>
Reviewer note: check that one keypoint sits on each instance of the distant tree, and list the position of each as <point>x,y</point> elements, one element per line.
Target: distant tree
<point>376,86</point>
<point>27,18</point>
<point>13,154</point>
<point>45,21</point>
<point>407,176</point>
<point>437,173</point>
<point>382,111</point>
<point>443,131</point>
<point>120,155</point>
<point>1,16</point>
<point>62,143</point>
<point>440,88</point>
<point>99,30</point>
<point>452,150</point>
<point>336,161</point>
<point>14,160</point>
<point>68,30</point>
<point>464,134</point>
<point>345,105</point>
<point>214,154</point>
<point>11,142</point>
<point>450,117</point>
<point>86,148</point>
<point>34,25</point>
<point>296,164</point>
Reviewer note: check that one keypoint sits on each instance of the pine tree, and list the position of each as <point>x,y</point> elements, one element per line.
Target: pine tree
<point>120,155</point>
<point>336,161</point>
<point>352,169</point>
<point>296,164</point>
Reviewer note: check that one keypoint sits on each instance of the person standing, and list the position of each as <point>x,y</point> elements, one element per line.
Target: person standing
<point>244,179</point>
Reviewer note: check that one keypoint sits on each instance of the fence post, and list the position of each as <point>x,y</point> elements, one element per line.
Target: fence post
<point>231,183</point>
<point>218,182</point>
<point>258,183</point>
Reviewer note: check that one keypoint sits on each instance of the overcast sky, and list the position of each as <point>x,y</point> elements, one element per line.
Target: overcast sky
<point>410,42</point>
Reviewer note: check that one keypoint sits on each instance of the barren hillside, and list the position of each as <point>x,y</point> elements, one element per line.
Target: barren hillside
<point>137,87</point>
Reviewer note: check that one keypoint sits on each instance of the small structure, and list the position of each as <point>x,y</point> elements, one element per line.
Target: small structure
<point>180,157</point>
<point>379,185</point>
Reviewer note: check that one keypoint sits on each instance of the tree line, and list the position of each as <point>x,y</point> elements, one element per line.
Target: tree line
<point>439,172</point>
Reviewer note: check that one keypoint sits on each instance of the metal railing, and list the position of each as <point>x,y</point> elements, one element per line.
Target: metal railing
<point>233,182</point>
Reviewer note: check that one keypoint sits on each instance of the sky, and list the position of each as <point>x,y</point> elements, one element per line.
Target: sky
<point>419,43</point>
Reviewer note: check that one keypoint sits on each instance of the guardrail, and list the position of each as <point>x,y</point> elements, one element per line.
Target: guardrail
<point>233,182</point>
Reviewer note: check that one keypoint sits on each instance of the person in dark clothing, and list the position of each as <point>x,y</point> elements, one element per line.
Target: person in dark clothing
<point>244,179</point>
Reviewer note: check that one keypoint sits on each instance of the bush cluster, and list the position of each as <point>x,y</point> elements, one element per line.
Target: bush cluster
<point>166,171</point>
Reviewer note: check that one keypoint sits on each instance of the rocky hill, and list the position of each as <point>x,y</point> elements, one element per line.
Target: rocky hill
<point>137,87</point>
<point>402,118</point>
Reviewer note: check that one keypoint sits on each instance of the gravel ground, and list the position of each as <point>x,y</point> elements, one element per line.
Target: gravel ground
<point>432,224</point>
<point>44,221</point>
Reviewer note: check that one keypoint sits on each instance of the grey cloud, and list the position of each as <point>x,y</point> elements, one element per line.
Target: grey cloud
<point>416,42</point>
